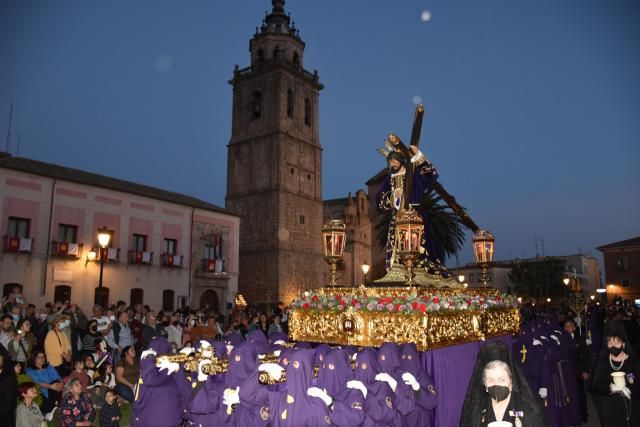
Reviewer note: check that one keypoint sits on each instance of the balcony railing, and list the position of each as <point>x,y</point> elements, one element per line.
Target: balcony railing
<point>18,244</point>
<point>140,257</point>
<point>212,265</point>
<point>170,260</point>
<point>66,249</point>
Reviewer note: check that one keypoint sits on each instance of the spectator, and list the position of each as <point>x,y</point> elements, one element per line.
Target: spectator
<point>275,325</point>
<point>48,378</point>
<point>103,321</point>
<point>110,413</point>
<point>91,337</point>
<point>120,335</point>
<point>127,373</point>
<point>22,378</point>
<point>40,327</point>
<point>152,329</point>
<point>107,378</point>
<point>8,389</point>
<point>22,344</point>
<point>27,413</point>
<point>136,329</point>
<point>174,330</point>
<point>263,324</point>
<point>57,346</point>
<point>77,328</point>
<point>80,374</point>
<point>16,315</point>
<point>76,408</point>
<point>6,331</point>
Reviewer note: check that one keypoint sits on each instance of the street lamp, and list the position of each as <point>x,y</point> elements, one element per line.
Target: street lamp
<point>483,247</point>
<point>104,237</point>
<point>365,270</point>
<point>548,300</point>
<point>461,278</point>
<point>566,281</point>
<point>333,239</point>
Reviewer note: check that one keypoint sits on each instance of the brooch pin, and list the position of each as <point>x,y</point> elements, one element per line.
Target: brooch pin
<point>630,378</point>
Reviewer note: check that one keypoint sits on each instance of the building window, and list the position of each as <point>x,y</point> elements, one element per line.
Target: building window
<point>209,252</point>
<point>256,105</point>
<point>301,219</point>
<point>136,297</point>
<point>167,300</point>
<point>296,58</point>
<point>260,56</point>
<point>139,243</point>
<point>290,103</point>
<point>170,246</point>
<point>293,171</point>
<point>307,111</point>
<point>623,263</point>
<point>625,283</point>
<point>308,177</point>
<point>18,227</point>
<point>62,293</point>
<point>67,233</point>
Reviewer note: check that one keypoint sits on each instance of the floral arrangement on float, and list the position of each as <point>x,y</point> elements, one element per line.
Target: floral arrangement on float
<point>410,303</point>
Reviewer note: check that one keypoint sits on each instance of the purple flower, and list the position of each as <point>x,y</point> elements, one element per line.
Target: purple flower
<point>390,307</point>
<point>340,307</point>
<point>379,307</point>
<point>371,306</point>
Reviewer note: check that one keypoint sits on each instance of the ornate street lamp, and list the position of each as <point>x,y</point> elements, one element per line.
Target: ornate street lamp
<point>333,239</point>
<point>483,247</point>
<point>409,231</point>
<point>365,270</point>
<point>104,237</point>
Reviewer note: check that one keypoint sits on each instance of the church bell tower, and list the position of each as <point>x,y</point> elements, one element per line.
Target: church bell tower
<point>274,165</point>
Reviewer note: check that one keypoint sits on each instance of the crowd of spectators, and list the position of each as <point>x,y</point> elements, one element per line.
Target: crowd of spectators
<point>61,361</point>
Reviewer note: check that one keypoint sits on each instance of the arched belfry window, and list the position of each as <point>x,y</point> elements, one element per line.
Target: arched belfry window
<point>307,111</point>
<point>260,56</point>
<point>290,103</point>
<point>256,105</point>
<point>296,58</point>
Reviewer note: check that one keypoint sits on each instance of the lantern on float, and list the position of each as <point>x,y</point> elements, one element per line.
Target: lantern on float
<point>333,239</point>
<point>409,231</point>
<point>483,248</point>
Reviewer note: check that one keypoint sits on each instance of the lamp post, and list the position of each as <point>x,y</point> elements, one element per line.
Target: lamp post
<point>333,240</point>
<point>483,248</point>
<point>101,294</point>
<point>409,230</point>
<point>365,270</point>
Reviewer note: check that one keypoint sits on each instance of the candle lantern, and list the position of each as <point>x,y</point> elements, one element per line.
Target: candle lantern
<point>333,239</point>
<point>483,248</point>
<point>409,231</point>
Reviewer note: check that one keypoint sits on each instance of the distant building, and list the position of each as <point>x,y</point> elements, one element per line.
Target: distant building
<point>354,211</point>
<point>622,268</point>
<point>166,250</point>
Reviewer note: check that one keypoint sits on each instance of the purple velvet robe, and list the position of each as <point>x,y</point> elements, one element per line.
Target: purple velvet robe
<point>347,409</point>
<point>379,406</point>
<point>389,362</point>
<point>426,398</point>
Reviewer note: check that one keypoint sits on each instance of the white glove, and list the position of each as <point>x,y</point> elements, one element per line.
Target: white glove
<point>588,341</point>
<point>279,342</point>
<point>229,348</point>
<point>204,344</point>
<point>261,356</point>
<point>277,353</point>
<point>202,376</point>
<point>149,352</point>
<point>410,380</point>
<point>543,392</point>
<point>231,396</point>
<point>388,379</point>
<point>555,338</point>
<point>187,351</point>
<point>620,389</point>
<point>536,342</point>
<point>171,367</point>
<point>319,393</point>
<point>357,385</point>
<point>273,369</point>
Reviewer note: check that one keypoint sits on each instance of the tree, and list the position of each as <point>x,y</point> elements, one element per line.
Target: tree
<point>541,277</point>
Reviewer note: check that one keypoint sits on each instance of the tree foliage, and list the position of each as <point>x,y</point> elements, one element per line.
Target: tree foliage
<point>538,278</point>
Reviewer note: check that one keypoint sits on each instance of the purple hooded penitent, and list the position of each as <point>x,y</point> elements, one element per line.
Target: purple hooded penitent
<point>259,341</point>
<point>348,404</point>
<point>389,362</point>
<point>426,397</point>
<point>379,406</point>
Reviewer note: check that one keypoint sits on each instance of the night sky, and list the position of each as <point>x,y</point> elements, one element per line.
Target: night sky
<point>532,107</point>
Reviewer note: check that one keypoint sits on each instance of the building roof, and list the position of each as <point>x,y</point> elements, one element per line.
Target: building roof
<point>635,241</point>
<point>336,202</point>
<point>64,173</point>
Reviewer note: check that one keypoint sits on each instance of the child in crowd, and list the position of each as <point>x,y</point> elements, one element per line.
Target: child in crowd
<point>80,373</point>
<point>90,366</point>
<point>110,413</point>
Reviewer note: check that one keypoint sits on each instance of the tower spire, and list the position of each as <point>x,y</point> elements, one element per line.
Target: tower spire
<point>278,7</point>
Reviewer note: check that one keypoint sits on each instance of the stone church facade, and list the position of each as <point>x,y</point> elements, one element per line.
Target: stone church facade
<point>274,170</point>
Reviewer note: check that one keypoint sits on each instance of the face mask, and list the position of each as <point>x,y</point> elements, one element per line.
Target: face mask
<point>615,351</point>
<point>112,318</point>
<point>64,324</point>
<point>15,316</point>
<point>498,392</point>
<point>193,323</point>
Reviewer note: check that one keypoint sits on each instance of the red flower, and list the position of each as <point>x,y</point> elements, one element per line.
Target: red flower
<point>425,298</point>
<point>422,307</point>
<point>305,305</point>
<point>397,307</point>
<point>354,301</point>
<point>436,300</point>
<point>314,298</point>
<point>338,296</point>
<point>414,305</point>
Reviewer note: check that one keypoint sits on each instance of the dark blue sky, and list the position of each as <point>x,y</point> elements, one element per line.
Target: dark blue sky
<point>532,107</point>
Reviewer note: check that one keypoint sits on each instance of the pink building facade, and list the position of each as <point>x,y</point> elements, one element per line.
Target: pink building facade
<point>166,249</point>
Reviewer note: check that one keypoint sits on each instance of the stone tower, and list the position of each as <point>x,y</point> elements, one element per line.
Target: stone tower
<point>274,166</point>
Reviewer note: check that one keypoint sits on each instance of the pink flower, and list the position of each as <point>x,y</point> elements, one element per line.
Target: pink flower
<point>390,307</point>
<point>357,306</point>
<point>371,306</point>
<point>340,307</point>
<point>379,307</point>
<point>402,307</point>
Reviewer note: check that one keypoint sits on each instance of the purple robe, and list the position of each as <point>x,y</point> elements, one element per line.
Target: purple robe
<point>426,397</point>
<point>389,362</point>
<point>156,401</point>
<point>348,404</point>
<point>294,407</point>
<point>379,406</point>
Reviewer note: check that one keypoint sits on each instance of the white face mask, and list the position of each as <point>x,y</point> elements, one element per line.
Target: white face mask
<point>64,324</point>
